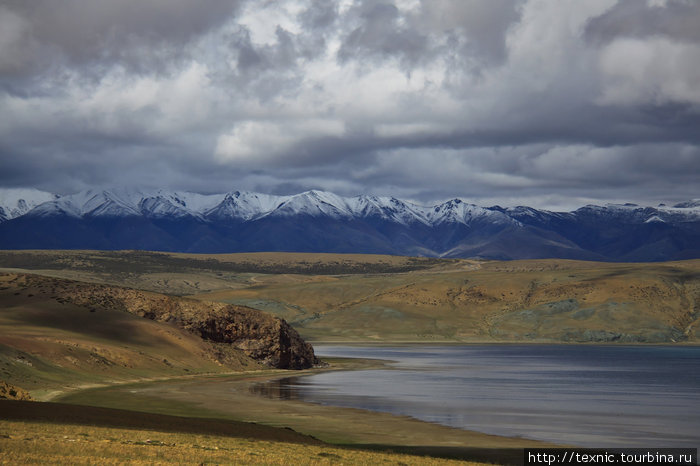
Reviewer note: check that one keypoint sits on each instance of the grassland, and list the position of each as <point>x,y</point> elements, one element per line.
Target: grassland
<point>167,440</point>
<point>179,274</point>
<point>366,298</point>
<point>543,301</point>
<point>48,344</point>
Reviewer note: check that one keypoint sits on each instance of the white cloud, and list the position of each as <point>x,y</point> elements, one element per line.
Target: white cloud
<point>252,141</point>
<point>650,71</point>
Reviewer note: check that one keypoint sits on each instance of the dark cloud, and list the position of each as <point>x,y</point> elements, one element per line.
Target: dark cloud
<point>479,27</point>
<point>380,34</point>
<point>499,101</point>
<point>139,34</point>
<point>319,15</point>
<point>676,19</point>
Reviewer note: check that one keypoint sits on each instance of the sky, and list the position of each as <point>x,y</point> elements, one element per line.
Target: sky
<point>548,103</point>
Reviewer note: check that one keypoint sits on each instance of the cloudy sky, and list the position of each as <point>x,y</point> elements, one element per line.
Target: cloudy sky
<point>550,103</point>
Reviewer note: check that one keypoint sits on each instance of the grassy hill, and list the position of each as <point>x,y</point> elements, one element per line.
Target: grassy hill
<point>337,297</point>
<point>555,301</point>
<point>49,342</point>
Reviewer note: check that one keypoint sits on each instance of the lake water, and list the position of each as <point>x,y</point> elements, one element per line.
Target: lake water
<point>590,396</point>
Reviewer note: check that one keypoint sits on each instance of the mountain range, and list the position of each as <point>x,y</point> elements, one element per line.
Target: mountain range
<point>318,221</point>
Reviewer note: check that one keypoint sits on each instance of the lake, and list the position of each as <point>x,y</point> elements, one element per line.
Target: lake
<point>584,395</point>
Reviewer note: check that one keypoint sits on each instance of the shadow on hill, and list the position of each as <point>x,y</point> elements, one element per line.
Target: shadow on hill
<point>61,413</point>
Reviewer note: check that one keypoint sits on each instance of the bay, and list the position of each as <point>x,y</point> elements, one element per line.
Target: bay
<point>583,395</point>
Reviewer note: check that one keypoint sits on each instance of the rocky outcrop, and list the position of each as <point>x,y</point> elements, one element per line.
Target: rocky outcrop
<point>11,392</point>
<point>261,336</point>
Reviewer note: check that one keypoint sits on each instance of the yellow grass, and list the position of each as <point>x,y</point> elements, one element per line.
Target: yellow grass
<point>46,443</point>
<point>373,298</point>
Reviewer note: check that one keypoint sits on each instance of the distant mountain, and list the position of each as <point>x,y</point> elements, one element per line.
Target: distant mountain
<point>317,221</point>
<point>17,202</point>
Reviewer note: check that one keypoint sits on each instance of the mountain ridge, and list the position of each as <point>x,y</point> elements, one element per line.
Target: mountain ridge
<point>320,221</point>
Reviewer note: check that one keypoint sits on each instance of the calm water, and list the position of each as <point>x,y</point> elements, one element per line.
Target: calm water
<point>591,396</point>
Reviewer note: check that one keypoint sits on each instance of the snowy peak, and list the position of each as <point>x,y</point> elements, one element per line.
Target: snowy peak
<point>458,211</point>
<point>691,204</point>
<point>244,206</point>
<point>640,214</point>
<point>109,204</point>
<point>390,209</point>
<point>90,203</point>
<point>164,204</point>
<point>121,202</point>
<point>315,204</point>
<point>251,206</point>
<point>17,202</point>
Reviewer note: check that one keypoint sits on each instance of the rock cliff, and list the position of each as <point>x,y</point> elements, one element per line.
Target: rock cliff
<point>12,392</point>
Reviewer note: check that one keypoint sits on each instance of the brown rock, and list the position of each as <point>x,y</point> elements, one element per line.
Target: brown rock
<point>11,392</point>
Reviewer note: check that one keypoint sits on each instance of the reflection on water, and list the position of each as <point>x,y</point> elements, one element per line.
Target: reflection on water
<point>279,389</point>
<point>595,396</point>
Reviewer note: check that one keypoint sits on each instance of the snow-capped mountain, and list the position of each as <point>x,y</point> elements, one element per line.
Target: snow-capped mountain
<point>318,221</point>
<point>129,202</point>
<point>243,205</point>
<point>17,202</point>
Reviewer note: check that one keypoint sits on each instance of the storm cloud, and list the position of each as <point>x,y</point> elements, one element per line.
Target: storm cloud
<point>548,103</point>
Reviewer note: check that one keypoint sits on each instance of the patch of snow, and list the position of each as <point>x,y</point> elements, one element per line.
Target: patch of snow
<point>458,211</point>
<point>654,219</point>
<point>245,206</point>
<point>314,203</point>
<point>15,202</point>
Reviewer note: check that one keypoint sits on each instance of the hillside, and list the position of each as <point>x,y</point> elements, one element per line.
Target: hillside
<point>538,301</point>
<point>384,298</point>
<point>57,333</point>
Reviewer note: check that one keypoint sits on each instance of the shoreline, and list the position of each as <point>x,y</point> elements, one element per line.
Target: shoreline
<point>231,397</point>
<point>386,343</point>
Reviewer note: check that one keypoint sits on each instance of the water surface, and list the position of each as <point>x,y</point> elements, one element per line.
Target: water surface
<point>590,396</point>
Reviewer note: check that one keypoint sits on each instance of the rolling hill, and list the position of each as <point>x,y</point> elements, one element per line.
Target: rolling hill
<point>57,333</point>
<point>368,298</point>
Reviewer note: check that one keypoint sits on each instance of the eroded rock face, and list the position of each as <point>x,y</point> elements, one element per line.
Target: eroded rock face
<point>11,392</point>
<point>261,336</point>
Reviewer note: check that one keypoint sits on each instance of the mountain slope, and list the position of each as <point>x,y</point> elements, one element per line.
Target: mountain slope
<point>317,221</point>
<point>17,202</point>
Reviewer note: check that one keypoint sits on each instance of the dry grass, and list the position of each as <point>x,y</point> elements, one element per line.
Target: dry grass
<point>48,343</point>
<point>346,297</point>
<point>48,443</point>
<point>544,300</point>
